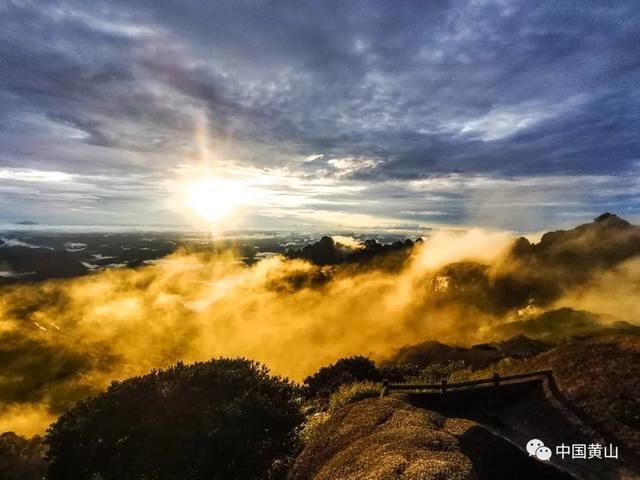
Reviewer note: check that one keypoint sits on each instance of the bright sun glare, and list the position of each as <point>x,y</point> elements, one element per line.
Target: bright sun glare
<point>213,199</point>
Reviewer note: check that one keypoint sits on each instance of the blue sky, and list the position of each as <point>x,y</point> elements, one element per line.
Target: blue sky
<point>324,114</point>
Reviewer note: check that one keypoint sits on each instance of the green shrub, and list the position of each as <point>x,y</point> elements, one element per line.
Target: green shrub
<point>222,419</point>
<point>398,373</point>
<point>346,370</point>
<point>505,366</point>
<point>310,427</point>
<point>353,392</point>
<point>451,371</point>
<point>21,458</point>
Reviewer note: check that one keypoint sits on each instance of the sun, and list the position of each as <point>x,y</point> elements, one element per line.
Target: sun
<point>213,199</point>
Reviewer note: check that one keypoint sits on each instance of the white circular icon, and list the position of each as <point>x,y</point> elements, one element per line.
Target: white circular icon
<point>543,453</point>
<point>533,445</point>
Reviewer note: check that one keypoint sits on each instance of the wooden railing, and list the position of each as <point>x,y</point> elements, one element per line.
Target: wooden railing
<point>444,386</point>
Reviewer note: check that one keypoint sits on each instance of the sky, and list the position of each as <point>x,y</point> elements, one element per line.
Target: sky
<point>331,115</point>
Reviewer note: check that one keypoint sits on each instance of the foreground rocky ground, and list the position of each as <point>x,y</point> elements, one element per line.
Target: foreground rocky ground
<point>592,397</point>
<point>388,438</point>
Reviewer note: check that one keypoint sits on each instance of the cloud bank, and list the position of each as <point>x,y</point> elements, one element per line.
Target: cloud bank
<point>65,340</point>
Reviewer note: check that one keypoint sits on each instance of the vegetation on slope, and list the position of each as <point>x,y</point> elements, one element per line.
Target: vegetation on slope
<point>222,419</point>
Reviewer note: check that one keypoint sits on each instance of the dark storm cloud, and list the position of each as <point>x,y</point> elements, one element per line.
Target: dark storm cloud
<point>410,90</point>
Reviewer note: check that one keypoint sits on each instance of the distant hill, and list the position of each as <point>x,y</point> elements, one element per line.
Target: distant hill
<point>539,273</point>
<point>329,252</point>
<point>521,339</point>
<point>605,242</point>
<point>430,352</point>
<point>569,257</point>
<point>477,357</point>
<point>565,323</point>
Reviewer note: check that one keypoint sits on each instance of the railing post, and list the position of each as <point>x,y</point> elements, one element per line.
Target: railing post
<point>444,385</point>
<point>496,379</point>
<point>385,387</point>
